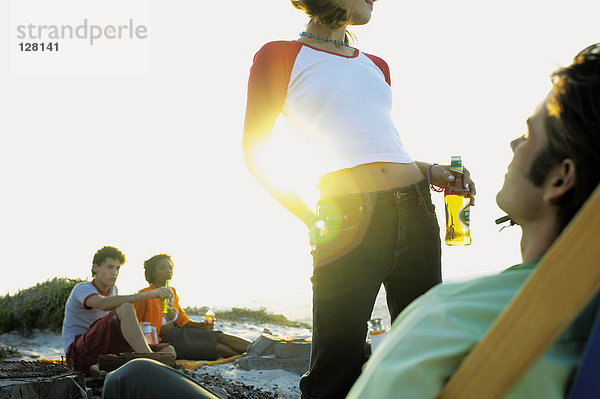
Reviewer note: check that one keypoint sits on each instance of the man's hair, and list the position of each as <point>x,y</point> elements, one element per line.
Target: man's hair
<point>573,130</point>
<point>107,252</point>
<point>150,266</point>
<point>325,12</point>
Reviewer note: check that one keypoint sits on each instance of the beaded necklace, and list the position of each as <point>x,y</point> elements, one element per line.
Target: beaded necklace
<point>326,39</point>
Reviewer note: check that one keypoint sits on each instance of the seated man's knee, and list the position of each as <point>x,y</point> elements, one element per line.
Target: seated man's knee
<point>118,382</point>
<point>147,378</point>
<point>125,310</point>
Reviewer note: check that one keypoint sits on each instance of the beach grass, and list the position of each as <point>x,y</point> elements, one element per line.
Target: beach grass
<point>42,307</point>
<point>38,307</point>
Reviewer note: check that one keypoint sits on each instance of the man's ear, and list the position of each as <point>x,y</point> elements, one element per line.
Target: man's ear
<point>95,268</point>
<point>560,179</point>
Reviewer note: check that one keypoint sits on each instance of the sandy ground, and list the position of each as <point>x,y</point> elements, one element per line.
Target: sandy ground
<point>283,384</point>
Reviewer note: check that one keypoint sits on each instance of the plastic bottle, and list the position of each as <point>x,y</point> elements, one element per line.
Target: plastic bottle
<point>209,319</point>
<point>377,332</point>
<point>458,208</point>
<point>149,333</point>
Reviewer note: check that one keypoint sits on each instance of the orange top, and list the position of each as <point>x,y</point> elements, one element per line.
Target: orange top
<point>151,310</point>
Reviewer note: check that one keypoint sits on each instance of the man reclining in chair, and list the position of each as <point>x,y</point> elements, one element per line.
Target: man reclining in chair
<point>553,171</point>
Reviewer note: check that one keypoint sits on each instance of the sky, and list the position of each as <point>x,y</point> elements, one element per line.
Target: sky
<point>148,159</point>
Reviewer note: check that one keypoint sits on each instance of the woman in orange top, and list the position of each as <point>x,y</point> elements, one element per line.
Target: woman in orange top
<point>191,339</point>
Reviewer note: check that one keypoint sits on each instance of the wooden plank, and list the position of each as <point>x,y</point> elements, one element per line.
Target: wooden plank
<point>110,362</point>
<point>67,386</point>
<point>566,279</point>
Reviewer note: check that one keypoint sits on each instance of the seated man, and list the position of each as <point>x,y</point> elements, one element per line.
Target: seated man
<point>99,321</point>
<point>553,172</point>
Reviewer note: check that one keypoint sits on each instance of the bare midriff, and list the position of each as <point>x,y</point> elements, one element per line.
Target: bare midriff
<point>376,176</point>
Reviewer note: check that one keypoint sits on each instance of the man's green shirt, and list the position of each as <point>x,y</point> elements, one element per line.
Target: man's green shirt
<point>431,337</point>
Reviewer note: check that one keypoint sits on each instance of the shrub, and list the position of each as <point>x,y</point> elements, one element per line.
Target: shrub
<point>196,310</point>
<point>38,307</point>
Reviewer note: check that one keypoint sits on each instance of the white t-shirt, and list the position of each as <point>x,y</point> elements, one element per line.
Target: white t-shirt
<point>78,316</point>
<point>339,106</point>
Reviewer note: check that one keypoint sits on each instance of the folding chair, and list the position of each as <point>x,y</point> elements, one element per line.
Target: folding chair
<point>566,279</point>
<point>587,381</point>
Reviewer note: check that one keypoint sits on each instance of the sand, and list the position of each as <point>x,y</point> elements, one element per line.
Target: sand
<point>280,383</point>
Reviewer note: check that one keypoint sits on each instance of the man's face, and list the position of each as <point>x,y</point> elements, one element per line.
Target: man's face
<point>519,197</point>
<point>107,272</point>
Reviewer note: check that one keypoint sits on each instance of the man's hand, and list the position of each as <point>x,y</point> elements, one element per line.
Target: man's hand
<point>162,293</point>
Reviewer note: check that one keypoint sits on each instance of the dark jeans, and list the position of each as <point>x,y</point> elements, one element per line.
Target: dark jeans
<point>147,379</point>
<point>390,237</point>
<point>193,343</point>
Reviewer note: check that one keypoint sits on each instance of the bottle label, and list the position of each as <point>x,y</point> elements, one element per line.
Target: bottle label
<point>465,215</point>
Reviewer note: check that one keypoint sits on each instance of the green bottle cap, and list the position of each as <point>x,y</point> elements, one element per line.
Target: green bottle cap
<point>456,163</point>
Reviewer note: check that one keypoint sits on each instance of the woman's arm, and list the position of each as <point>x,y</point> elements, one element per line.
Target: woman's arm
<point>196,324</point>
<point>288,198</point>
<point>171,317</point>
<point>267,89</point>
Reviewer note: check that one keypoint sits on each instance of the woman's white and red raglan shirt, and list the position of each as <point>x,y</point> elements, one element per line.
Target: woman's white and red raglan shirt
<point>340,105</point>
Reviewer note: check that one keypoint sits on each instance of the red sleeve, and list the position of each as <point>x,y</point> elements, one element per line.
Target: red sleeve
<point>381,64</point>
<point>267,88</point>
<point>85,300</point>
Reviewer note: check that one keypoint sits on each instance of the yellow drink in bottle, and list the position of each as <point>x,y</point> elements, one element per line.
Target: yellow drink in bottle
<point>209,319</point>
<point>165,303</point>
<point>458,208</point>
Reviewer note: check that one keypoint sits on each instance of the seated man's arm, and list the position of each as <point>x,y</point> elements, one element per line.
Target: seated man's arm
<point>110,302</point>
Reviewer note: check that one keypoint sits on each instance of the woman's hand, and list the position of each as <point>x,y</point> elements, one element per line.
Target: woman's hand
<point>442,175</point>
<point>170,315</point>
<point>310,220</point>
<point>200,324</point>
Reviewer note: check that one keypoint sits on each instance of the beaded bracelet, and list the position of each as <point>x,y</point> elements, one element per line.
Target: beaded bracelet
<point>431,186</point>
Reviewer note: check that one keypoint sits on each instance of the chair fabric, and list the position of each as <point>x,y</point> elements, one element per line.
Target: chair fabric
<point>587,380</point>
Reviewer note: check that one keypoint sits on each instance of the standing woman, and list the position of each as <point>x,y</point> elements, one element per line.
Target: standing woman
<point>375,222</point>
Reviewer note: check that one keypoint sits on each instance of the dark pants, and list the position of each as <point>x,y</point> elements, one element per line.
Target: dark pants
<point>390,237</point>
<point>146,378</point>
<point>193,343</point>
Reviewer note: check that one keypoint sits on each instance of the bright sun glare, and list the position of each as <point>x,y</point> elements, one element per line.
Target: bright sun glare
<point>151,162</point>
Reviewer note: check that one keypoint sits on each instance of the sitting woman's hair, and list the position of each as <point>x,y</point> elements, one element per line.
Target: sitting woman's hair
<point>325,12</point>
<point>150,266</point>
